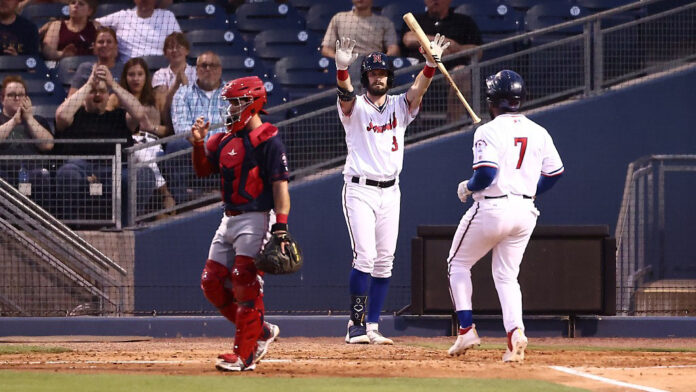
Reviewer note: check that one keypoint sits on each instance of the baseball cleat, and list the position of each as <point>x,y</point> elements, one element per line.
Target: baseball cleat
<point>232,363</point>
<point>377,338</point>
<point>357,334</point>
<point>268,336</point>
<point>517,343</point>
<point>467,338</point>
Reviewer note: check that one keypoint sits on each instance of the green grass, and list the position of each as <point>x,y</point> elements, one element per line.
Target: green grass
<point>541,347</point>
<point>62,382</point>
<point>22,349</point>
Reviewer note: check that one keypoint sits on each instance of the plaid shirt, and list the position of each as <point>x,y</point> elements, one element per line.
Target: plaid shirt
<point>190,102</point>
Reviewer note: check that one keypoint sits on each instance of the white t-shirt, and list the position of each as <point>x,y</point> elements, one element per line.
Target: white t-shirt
<point>140,36</point>
<point>375,138</point>
<point>166,77</point>
<point>520,149</point>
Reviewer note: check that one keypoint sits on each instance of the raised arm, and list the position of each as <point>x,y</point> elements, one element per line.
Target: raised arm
<point>414,95</point>
<point>66,111</point>
<point>36,130</point>
<point>344,58</point>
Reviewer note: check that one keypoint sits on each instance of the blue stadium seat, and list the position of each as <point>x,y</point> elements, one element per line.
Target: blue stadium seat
<point>593,6</point>
<point>24,64</point>
<point>495,21</point>
<point>66,67</point>
<point>271,45</point>
<point>302,6</point>
<point>42,13</point>
<point>305,75</point>
<point>524,5</point>
<point>550,14</point>
<point>403,78</point>
<point>199,15</point>
<point>237,66</point>
<point>320,14</point>
<point>110,8</point>
<point>395,11</point>
<point>45,91</point>
<point>155,62</point>
<point>253,18</point>
<point>47,111</point>
<point>222,42</point>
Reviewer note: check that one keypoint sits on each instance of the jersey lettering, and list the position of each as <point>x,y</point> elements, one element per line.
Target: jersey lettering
<point>523,149</point>
<point>381,128</point>
<point>395,144</point>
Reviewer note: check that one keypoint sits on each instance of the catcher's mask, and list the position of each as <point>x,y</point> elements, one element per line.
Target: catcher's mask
<point>376,60</point>
<point>506,90</point>
<point>244,98</point>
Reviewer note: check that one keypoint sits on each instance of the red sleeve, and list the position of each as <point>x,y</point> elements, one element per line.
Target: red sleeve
<point>201,164</point>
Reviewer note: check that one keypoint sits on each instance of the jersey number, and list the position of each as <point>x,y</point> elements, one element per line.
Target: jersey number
<point>395,144</point>
<point>523,149</point>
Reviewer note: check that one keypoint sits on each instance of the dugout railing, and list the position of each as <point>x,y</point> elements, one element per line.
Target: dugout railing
<point>614,47</point>
<point>653,272</point>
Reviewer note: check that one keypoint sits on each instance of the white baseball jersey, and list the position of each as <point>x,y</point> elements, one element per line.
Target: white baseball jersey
<point>375,137</point>
<point>520,149</point>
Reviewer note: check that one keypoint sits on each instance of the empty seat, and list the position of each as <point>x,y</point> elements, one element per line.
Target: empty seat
<point>302,6</point>
<point>222,42</point>
<point>252,18</point>
<point>320,14</point>
<point>271,45</point>
<point>304,75</point>
<point>237,66</point>
<point>199,15</point>
<point>39,14</point>
<point>400,63</point>
<point>155,62</point>
<point>23,64</point>
<point>524,5</point>
<point>550,14</point>
<point>494,21</point>
<point>110,8</point>
<point>44,91</point>
<point>395,11</point>
<point>66,67</point>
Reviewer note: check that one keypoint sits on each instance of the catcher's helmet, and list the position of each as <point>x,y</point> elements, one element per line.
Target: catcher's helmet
<point>244,98</point>
<point>376,60</point>
<point>506,90</point>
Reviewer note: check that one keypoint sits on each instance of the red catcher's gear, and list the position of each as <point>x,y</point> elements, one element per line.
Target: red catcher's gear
<point>213,280</point>
<point>246,98</point>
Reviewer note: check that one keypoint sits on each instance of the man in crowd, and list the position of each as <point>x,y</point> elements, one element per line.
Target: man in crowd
<point>18,36</point>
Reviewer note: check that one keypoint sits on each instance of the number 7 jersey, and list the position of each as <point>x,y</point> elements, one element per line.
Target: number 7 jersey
<point>520,149</point>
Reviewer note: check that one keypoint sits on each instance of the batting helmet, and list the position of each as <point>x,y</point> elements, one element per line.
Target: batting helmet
<point>376,60</point>
<point>245,97</point>
<point>506,90</point>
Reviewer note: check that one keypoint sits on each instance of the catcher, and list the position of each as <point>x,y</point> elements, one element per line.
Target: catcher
<point>254,185</point>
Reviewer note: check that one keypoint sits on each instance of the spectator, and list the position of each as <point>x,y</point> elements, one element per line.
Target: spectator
<point>461,31</point>
<point>141,31</point>
<point>17,121</point>
<point>199,99</point>
<point>373,33</point>
<point>136,80</point>
<point>106,50</point>
<point>18,36</point>
<point>72,37</point>
<point>166,81</point>
<point>84,115</point>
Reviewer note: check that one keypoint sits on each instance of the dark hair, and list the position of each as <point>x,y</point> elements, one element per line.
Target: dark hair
<point>12,79</point>
<point>147,96</point>
<point>109,30</point>
<point>176,37</point>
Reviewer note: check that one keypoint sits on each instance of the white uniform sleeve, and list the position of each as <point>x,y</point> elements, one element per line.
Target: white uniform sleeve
<point>551,164</point>
<point>346,118</point>
<point>406,116</point>
<point>485,151</point>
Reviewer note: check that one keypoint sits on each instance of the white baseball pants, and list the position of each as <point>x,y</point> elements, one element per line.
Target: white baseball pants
<point>505,226</point>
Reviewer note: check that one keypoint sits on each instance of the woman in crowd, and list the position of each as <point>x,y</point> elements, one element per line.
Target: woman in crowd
<point>106,50</point>
<point>72,37</point>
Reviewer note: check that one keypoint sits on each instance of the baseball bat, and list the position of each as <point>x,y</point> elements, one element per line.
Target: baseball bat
<point>425,44</point>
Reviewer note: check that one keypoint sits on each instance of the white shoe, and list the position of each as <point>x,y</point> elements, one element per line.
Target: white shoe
<point>356,334</point>
<point>232,363</point>
<point>466,339</point>
<point>270,333</point>
<point>377,338</point>
<point>517,343</point>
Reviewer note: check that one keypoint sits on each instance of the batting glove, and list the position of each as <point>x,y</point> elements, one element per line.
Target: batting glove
<point>437,47</point>
<point>462,191</point>
<point>344,53</point>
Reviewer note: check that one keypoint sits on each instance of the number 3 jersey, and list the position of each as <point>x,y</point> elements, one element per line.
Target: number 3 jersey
<point>375,137</point>
<point>520,149</point>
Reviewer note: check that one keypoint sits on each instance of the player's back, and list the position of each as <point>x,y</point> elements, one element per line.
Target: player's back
<point>520,149</point>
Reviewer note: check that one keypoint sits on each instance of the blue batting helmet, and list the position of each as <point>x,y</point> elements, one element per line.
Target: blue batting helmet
<point>506,90</point>
<point>376,60</point>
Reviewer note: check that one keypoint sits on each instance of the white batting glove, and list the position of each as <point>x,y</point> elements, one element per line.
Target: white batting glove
<point>437,47</point>
<point>462,191</point>
<point>344,53</point>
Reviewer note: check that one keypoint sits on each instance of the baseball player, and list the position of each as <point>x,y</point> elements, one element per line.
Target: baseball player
<point>375,124</point>
<point>514,160</point>
<point>254,186</point>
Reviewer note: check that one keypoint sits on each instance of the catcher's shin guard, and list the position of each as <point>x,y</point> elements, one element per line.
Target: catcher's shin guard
<point>247,291</point>
<point>213,281</point>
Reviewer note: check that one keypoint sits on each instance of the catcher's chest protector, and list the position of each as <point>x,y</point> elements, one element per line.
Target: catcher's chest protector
<point>241,177</point>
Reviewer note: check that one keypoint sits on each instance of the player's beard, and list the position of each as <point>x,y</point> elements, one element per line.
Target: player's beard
<point>377,91</point>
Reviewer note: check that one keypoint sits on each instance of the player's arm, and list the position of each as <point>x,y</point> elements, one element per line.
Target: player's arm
<point>551,167</point>
<point>344,58</point>
<point>201,165</point>
<point>546,182</point>
<point>414,95</point>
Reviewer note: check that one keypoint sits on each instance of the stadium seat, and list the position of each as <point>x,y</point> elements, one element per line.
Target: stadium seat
<point>39,14</point>
<point>66,67</point>
<point>320,14</point>
<point>199,15</point>
<point>48,112</point>
<point>302,6</point>
<point>395,11</point>
<point>524,5</point>
<point>495,21</point>
<point>222,42</point>
<point>45,91</point>
<point>403,62</point>
<point>253,18</point>
<point>593,6</point>
<point>110,8</point>
<point>305,75</point>
<point>271,45</point>
<point>23,64</point>
<point>155,62</point>
<point>550,14</point>
<point>237,66</point>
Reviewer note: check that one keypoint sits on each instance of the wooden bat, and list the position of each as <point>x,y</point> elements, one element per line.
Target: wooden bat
<point>425,44</point>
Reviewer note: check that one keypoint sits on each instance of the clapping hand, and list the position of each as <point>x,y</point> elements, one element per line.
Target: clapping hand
<point>199,130</point>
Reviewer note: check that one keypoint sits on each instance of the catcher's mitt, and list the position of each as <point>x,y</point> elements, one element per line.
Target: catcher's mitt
<point>273,261</point>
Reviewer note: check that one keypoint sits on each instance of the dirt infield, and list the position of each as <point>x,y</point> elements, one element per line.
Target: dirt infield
<point>646,363</point>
